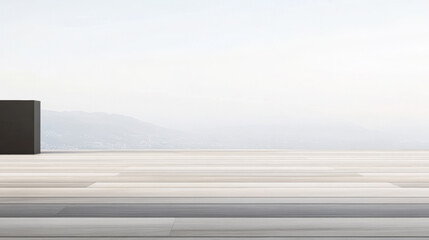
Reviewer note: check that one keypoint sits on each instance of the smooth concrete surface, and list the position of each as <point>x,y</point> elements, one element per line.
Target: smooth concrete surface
<point>246,194</point>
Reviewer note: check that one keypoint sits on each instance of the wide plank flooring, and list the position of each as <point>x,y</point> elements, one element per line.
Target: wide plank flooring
<point>179,194</point>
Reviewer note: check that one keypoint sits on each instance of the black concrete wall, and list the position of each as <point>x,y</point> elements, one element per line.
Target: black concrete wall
<point>19,127</point>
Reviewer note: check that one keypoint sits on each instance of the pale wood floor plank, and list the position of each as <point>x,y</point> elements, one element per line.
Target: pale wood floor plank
<point>241,185</point>
<point>85,227</point>
<point>214,192</point>
<point>302,227</point>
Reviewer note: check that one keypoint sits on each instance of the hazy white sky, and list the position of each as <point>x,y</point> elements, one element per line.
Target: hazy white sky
<point>206,62</point>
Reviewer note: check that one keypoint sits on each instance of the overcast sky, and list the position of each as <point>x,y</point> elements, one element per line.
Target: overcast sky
<point>211,62</point>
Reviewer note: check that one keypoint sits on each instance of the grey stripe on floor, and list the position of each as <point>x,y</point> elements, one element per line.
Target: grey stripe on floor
<point>216,210</point>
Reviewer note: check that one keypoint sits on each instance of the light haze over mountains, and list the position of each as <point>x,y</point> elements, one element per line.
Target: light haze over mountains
<point>83,130</point>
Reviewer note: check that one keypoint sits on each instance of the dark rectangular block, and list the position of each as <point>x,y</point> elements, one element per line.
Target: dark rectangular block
<point>19,127</point>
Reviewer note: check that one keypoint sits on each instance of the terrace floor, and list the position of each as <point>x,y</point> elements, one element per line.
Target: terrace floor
<point>257,194</point>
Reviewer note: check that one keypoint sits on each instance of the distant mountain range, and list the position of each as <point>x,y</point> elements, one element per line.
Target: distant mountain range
<point>83,130</point>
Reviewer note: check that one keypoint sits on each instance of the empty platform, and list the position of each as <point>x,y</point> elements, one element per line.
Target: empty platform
<point>257,194</point>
